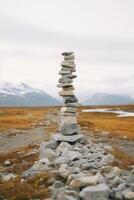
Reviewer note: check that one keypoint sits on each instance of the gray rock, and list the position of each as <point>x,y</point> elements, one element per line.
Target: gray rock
<point>62,72</point>
<point>68,57</point>
<point>65,63</point>
<point>71,76</point>
<point>129,195</point>
<point>64,147</point>
<point>65,85</point>
<point>58,184</point>
<point>47,153</point>
<point>65,194</point>
<point>68,88</point>
<point>115,172</point>
<point>67,53</point>
<point>66,93</point>
<point>38,167</point>
<point>70,99</point>
<point>64,171</point>
<point>70,129</point>
<point>107,159</point>
<point>68,69</point>
<point>84,181</point>
<point>76,105</point>
<point>95,192</point>
<point>118,195</point>
<point>52,144</point>
<point>68,119</point>
<point>68,138</point>
<point>68,109</point>
<point>65,80</point>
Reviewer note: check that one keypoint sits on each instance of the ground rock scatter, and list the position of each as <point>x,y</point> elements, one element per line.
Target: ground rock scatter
<point>82,170</point>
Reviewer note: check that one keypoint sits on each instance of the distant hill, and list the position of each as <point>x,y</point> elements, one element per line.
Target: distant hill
<point>108,99</point>
<point>24,95</point>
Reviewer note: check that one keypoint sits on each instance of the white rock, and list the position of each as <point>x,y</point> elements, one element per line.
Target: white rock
<point>64,171</point>
<point>66,93</point>
<point>7,177</point>
<point>8,163</point>
<point>84,181</point>
<point>95,192</point>
<point>64,147</point>
<point>129,195</point>
<point>69,120</point>
<point>47,153</point>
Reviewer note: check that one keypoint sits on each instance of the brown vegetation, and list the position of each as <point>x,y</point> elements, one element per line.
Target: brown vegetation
<point>23,118</point>
<point>36,187</point>
<point>116,126</point>
<point>123,160</point>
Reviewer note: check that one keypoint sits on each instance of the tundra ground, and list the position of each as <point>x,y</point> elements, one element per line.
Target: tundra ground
<point>23,129</point>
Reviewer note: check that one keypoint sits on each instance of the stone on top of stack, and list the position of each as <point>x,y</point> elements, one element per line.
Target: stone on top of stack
<point>68,127</point>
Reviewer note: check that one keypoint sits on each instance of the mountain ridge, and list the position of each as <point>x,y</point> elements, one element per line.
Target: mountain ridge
<point>24,95</point>
<point>108,99</point>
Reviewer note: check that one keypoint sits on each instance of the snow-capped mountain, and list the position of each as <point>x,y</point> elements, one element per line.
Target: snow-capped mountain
<point>24,95</point>
<point>108,99</point>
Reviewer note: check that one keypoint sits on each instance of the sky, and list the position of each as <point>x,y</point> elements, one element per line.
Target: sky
<point>33,33</point>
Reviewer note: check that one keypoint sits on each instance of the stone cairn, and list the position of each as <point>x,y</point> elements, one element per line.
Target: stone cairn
<point>69,129</point>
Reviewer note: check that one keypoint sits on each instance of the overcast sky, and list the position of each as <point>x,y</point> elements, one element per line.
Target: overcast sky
<point>33,33</point>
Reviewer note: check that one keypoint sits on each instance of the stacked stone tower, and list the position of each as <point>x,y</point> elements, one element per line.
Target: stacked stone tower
<point>69,129</point>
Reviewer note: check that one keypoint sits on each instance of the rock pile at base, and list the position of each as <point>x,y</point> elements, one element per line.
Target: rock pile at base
<point>83,171</point>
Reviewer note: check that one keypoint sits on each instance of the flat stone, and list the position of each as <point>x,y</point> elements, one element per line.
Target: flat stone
<point>75,105</point>
<point>107,159</point>
<point>65,80</point>
<point>69,120</point>
<point>47,153</point>
<point>52,144</point>
<point>68,109</point>
<point>67,53</point>
<point>68,88</point>
<point>64,171</point>
<point>65,63</point>
<point>70,129</point>
<point>66,93</point>
<point>66,138</point>
<point>64,85</point>
<point>72,76</point>
<point>70,99</point>
<point>70,60</point>
<point>84,181</point>
<point>129,195</point>
<point>69,114</point>
<point>64,72</point>
<point>71,69</point>
<point>68,57</point>
<point>95,192</point>
<point>64,147</point>
<point>65,194</point>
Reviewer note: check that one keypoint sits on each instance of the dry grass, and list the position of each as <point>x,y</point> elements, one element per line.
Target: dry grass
<point>36,187</point>
<point>117,126</point>
<point>22,118</point>
<point>123,160</point>
<point>21,158</point>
